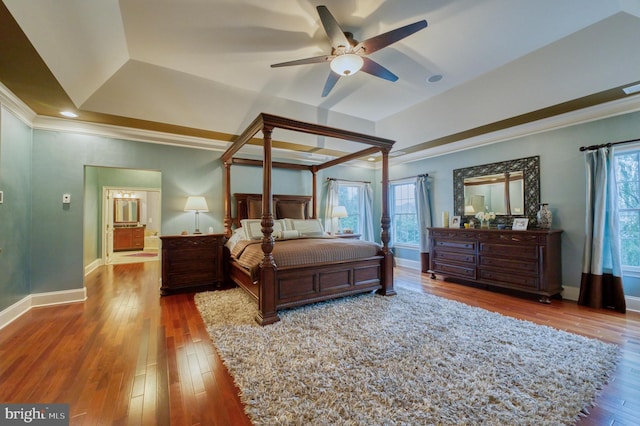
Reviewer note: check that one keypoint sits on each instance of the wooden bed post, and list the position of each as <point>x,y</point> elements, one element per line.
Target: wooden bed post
<point>227,200</point>
<point>385,221</point>
<point>267,292</point>
<point>314,194</point>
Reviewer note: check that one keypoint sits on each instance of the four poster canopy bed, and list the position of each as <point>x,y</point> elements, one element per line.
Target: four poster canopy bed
<point>279,253</point>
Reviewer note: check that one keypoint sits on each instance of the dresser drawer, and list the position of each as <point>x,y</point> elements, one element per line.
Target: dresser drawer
<point>452,256</point>
<point>509,250</point>
<point>467,272</point>
<point>456,245</point>
<point>507,265</point>
<point>512,280</point>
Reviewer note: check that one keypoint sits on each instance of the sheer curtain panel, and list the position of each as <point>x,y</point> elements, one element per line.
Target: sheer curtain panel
<point>601,283</point>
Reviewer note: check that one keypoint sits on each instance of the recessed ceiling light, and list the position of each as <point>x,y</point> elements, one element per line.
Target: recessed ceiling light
<point>69,114</point>
<point>631,89</point>
<point>434,78</point>
<point>371,159</point>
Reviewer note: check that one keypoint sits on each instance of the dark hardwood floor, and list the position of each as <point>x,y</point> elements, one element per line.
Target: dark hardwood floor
<point>129,356</point>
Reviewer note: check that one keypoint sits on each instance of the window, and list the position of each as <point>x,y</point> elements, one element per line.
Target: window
<point>349,196</point>
<point>627,166</point>
<point>404,214</point>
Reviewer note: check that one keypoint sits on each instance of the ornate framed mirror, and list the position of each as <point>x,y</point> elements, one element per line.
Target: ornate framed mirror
<point>507,188</point>
<point>126,211</point>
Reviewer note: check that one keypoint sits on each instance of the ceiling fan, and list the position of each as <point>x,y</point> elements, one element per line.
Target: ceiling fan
<point>348,56</point>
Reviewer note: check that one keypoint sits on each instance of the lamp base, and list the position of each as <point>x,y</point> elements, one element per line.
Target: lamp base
<point>197,232</point>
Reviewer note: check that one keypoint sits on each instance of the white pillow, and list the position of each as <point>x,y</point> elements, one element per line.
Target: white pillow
<point>286,235</point>
<point>253,228</point>
<point>238,235</point>
<point>308,227</point>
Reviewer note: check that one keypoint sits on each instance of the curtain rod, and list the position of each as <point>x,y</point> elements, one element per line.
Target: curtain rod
<point>593,147</point>
<point>410,177</point>
<point>347,180</point>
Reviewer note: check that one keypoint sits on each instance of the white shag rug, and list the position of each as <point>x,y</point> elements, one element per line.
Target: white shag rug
<point>410,359</point>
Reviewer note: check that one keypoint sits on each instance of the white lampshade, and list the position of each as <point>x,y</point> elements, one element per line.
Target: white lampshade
<point>347,64</point>
<point>339,211</point>
<point>196,204</point>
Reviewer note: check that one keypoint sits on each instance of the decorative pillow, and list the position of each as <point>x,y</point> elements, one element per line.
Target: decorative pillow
<point>293,210</point>
<point>238,235</point>
<point>253,228</point>
<point>286,235</point>
<point>254,208</point>
<point>308,227</point>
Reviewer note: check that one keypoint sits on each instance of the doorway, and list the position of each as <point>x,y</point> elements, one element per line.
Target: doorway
<point>131,224</point>
<point>101,186</point>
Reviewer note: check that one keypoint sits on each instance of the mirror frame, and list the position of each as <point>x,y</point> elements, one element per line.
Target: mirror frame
<point>530,167</point>
<point>116,207</point>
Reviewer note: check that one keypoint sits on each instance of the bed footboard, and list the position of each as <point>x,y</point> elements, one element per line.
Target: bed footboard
<point>297,286</point>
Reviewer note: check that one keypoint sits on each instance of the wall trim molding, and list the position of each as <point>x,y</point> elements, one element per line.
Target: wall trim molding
<point>21,307</point>
<point>406,263</point>
<point>92,266</point>
<point>598,112</point>
<point>16,106</point>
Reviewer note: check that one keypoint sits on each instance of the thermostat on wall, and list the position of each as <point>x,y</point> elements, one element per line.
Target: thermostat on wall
<point>1,197</point>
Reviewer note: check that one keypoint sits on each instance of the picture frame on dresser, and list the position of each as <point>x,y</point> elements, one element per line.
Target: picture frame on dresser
<point>520,224</point>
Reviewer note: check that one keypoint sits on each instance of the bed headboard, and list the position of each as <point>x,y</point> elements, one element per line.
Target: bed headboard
<point>249,206</point>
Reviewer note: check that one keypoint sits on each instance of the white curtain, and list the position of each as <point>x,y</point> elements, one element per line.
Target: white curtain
<point>423,207</point>
<point>330,202</point>
<point>601,283</point>
<point>365,208</point>
<point>366,212</point>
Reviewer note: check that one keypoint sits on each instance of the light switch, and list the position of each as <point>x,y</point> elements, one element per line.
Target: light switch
<point>66,198</point>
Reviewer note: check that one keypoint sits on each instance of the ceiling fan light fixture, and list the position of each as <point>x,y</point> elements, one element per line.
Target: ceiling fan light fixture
<point>347,64</point>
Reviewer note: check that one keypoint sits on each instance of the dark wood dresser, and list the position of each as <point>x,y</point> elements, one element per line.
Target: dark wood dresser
<point>192,261</point>
<point>525,261</point>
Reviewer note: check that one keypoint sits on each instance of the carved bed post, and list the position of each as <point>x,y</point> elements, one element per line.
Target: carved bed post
<point>267,292</point>
<point>227,200</point>
<point>385,221</point>
<point>314,198</point>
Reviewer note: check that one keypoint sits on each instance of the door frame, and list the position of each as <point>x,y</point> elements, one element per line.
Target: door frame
<point>107,216</point>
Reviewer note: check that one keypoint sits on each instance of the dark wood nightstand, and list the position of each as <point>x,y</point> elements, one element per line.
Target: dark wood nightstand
<point>192,261</point>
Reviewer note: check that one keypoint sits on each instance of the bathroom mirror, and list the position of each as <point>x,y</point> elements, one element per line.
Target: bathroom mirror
<point>126,210</point>
<point>507,188</point>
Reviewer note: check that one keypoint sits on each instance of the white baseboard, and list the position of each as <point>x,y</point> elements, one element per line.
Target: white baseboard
<point>13,312</point>
<point>92,266</point>
<point>406,263</point>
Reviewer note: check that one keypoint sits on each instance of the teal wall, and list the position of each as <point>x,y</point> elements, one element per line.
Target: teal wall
<point>46,244</point>
<point>562,179</point>
<point>15,212</point>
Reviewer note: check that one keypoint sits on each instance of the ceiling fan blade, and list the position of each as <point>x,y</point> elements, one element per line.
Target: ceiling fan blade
<point>331,27</point>
<point>314,60</point>
<point>374,68</point>
<point>331,81</point>
<point>376,43</point>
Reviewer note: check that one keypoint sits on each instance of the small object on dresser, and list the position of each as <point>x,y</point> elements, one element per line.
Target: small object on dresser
<point>544,216</point>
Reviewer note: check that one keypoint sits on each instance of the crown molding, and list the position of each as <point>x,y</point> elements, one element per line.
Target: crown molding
<point>119,132</point>
<point>16,106</point>
<point>585,115</point>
